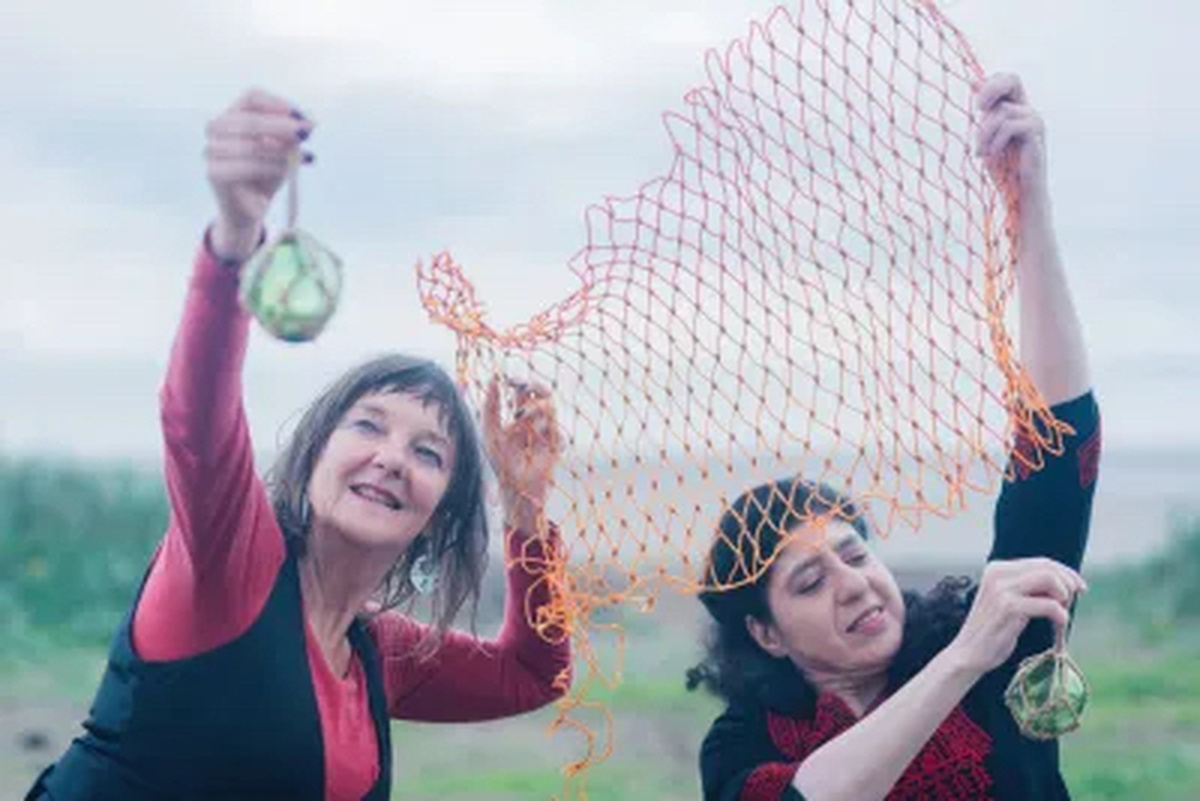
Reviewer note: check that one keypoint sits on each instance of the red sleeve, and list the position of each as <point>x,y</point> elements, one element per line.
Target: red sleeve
<point>215,567</point>
<point>468,679</point>
<point>771,782</point>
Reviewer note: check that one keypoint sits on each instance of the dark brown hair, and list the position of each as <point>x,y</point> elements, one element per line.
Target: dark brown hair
<point>735,668</point>
<point>755,527</point>
<point>457,535</point>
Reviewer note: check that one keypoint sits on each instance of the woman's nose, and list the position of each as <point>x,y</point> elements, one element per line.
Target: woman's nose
<point>851,583</point>
<point>392,457</point>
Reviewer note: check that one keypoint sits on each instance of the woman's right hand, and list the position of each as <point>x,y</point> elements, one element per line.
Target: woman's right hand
<point>524,452</point>
<point>248,150</point>
<point>1011,593</point>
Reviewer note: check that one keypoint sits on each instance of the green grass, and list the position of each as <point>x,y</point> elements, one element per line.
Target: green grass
<point>1171,677</point>
<point>1167,775</point>
<point>1140,736</point>
<point>74,543</point>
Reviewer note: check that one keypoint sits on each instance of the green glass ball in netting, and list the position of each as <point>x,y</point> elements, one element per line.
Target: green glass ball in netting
<point>1047,695</point>
<point>292,286</point>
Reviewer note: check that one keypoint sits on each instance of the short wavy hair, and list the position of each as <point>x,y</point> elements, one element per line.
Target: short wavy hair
<point>457,535</point>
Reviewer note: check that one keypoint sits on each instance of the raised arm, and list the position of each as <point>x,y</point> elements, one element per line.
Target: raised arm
<point>1044,512</point>
<point>1012,143</point>
<point>206,439</point>
<point>1048,511</point>
<point>218,554</point>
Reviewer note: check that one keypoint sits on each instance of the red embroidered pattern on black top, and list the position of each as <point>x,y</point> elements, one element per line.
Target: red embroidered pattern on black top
<point>950,766</point>
<point>1089,459</point>
<point>768,781</point>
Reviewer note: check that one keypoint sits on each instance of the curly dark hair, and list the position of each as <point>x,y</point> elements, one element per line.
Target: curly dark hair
<point>735,668</point>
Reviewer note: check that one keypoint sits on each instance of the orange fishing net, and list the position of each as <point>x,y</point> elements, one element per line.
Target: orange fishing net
<point>818,284</point>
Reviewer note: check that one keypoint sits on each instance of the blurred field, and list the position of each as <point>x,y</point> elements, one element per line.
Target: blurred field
<point>73,543</point>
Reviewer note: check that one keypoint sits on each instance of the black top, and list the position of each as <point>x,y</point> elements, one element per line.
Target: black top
<point>751,752</point>
<point>236,723</point>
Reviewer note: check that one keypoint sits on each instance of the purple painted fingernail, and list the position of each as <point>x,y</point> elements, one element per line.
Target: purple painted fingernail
<point>297,114</point>
<point>307,158</point>
<point>303,133</point>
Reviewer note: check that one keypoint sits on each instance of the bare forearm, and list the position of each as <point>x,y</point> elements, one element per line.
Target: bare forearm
<point>882,744</point>
<point>232,242</point>
<point>1051,338</point>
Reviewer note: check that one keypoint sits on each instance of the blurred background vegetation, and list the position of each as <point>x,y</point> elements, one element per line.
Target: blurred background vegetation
<point>75,540</point>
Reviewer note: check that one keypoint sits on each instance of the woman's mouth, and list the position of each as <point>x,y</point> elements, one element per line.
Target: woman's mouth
<point>374,494</point>
<point>869,622</point>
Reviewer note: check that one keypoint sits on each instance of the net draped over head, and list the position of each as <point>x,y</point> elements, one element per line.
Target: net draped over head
<point>818,285</point>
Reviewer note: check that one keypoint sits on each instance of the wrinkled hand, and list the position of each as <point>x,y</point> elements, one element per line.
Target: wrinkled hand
<point>249,149</point>
<point>1011,593</point>
<point>1012,138</point>
<point>523,452</point>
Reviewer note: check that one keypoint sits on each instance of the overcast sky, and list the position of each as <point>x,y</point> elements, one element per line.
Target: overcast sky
<point>486,128</point>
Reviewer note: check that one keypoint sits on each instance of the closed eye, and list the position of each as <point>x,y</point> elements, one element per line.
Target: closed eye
<point>857,558</point>
<point>812,586</point>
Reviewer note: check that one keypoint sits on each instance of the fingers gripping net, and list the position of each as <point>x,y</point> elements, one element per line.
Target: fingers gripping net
<point>818,285</point>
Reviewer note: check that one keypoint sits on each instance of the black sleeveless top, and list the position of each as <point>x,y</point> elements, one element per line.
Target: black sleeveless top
<point>236,723</point>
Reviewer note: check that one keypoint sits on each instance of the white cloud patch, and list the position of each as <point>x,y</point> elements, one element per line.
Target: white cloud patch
<point>471,50</point>
<point>81,274</point>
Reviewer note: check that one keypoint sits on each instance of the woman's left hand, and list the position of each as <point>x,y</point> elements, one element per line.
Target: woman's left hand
<point>523,452</point>
<point>1012,138</point>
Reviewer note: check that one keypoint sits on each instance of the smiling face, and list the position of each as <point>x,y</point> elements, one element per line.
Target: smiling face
<point>383,471</point>
<point>835,608</point>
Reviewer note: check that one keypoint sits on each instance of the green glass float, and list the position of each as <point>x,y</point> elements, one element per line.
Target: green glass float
<point>293,284</point>
<point>1047,694</point>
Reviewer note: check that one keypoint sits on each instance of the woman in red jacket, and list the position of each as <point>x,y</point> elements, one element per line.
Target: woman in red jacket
<point>247,666</point>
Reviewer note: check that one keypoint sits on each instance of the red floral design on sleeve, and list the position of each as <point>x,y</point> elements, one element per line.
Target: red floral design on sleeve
<point>950,766</point>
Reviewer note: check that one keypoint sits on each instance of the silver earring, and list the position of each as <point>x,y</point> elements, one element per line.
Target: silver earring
<point>305,513</point>
<point>423,574</point>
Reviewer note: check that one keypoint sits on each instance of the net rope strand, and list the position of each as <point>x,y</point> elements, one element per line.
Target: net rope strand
<point>819,284</point>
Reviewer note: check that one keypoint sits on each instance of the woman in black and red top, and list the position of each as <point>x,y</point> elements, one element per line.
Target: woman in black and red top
<point>838,685</point>
<point>263,657</point>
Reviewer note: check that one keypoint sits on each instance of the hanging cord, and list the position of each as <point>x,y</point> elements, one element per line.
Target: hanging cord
<point>293,190</point>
